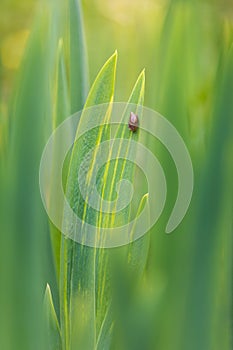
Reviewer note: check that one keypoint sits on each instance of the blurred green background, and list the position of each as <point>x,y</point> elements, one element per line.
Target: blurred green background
<point>185,47</point>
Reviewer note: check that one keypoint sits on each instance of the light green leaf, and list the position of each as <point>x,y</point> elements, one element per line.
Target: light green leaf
<point>62,105</point>
<point>138,250</point>
<point>85,272</point>
<point>77,265</point>
<point>104,339</point>
<point>30,123</point>
<point>213,233</point>
<point>52,325</point>
<point>77,57</point>
<point>129,263</point>
<point>61,111</point>
<point>70,87</point>
<point>115,172</point>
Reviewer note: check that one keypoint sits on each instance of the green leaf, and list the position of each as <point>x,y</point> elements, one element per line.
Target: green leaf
<point>115,172</point>
<point>52,325</point>
<point>138,250</point>
<point>61,111</point>
<point>85,272</point>
<point>213,230</point>
<point>77,262</point>
<point>30,123</point>
<point>104,339</point>
<point>77,57</point>
<point>129,265</point>
<point>62,105</point>
<point>70,87</point>
<point>184,77</point>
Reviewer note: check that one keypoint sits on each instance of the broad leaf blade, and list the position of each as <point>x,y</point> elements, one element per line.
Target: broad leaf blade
<point>77,270</point>
<point>115,172</point>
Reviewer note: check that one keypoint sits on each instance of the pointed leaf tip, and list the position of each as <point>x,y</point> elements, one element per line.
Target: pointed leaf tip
<point>142,77</point>
<point>51,322</point>
<point>112,58</point>
<point>102,90</point>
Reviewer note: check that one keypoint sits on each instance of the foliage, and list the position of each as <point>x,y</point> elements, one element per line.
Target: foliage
<point>160,292</point>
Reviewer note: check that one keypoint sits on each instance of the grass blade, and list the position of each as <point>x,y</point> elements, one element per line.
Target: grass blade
<point>78,57</point>
<point>120,169</point>
<point>213,232</point>
<point>27,223</point>
<point>61,111</point>
<point>77,270</point>
<point>52,325</point>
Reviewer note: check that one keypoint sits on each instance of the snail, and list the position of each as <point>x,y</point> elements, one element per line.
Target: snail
<point>133,122</point>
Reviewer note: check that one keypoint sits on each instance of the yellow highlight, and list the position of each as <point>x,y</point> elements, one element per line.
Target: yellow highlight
<point>12,49</point>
